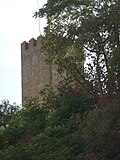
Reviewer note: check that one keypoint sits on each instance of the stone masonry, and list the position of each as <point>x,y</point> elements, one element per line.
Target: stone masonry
<point>34,70</point>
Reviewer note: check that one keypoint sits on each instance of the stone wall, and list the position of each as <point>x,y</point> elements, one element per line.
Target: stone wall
<point>35,72</point>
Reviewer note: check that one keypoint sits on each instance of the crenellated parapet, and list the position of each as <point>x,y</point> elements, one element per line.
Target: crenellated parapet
<point>33,43</point>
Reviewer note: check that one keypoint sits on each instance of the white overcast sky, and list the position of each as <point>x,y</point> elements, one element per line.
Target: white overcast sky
<point>16,26</point>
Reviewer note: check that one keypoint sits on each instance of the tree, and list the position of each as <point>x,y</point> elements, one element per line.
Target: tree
<point>89,29</point>
<point>29,121</point>
<point>101,132</point>
<point>7,111</point>
<point>70,123</point>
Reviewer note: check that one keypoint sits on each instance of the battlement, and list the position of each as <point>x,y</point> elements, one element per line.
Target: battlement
<point>31,44</point>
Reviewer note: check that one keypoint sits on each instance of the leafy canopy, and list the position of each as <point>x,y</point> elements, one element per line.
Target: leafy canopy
<point>85,31</point>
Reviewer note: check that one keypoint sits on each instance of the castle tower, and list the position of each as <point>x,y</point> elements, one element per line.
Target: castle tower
<point>34,70</point>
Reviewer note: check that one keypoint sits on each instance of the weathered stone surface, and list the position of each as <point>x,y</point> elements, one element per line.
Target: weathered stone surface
<point>35,72</point>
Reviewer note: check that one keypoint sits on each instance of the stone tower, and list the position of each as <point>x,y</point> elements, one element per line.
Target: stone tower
<point>35,72</point>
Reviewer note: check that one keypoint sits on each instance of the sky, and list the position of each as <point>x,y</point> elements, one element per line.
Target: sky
<point>16,25</point>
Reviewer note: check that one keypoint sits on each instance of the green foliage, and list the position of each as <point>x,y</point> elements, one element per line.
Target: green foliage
<point>59,145</point>
<point>71,107</point>
<point>76,130</point>
<point>7,111</point>
<point>101,129</point>
<point>81,120</point>
<point>57,137</point>
<point>50,100</point>
<point>86,30</point>
<point>29,121</point>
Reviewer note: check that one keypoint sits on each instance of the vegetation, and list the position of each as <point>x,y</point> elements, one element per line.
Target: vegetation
<point>81,120</point>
